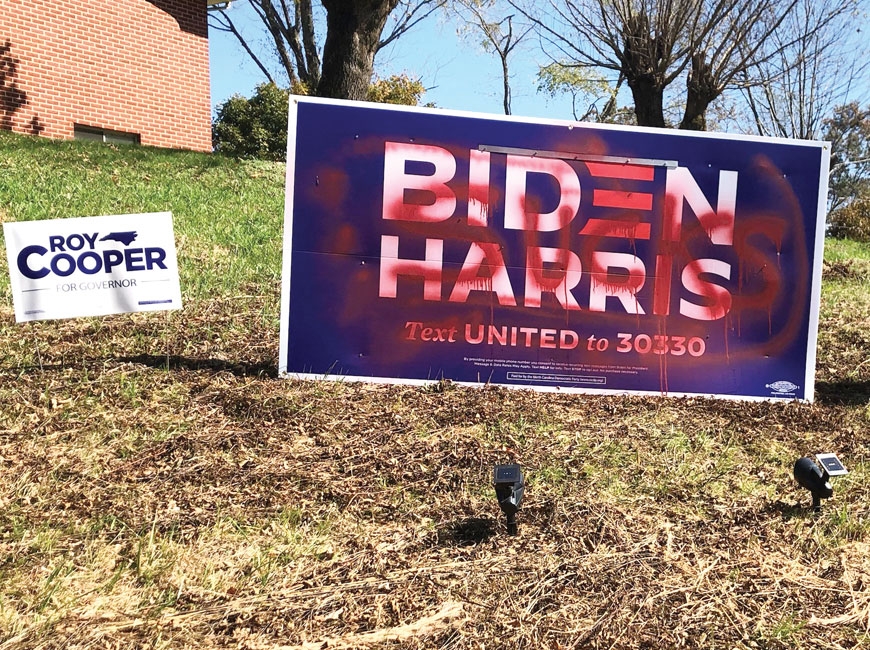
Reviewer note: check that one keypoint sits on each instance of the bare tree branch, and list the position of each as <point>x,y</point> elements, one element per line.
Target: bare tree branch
<point>812,68</point>
<point>353,37</point>
<point>498,33</point>
<point>715,45</point>
<point>413,12</point>
<point>221,21</point>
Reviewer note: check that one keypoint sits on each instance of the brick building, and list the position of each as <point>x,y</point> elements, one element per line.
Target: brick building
<point>113,70</point>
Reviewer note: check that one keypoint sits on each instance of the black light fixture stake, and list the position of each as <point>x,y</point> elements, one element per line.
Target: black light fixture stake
<point>509,488</point>
<point>818,480</point>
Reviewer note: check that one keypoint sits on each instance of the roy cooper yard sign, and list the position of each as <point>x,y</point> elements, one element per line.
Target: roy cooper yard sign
<point>423,245</point>
<point>92,266</point>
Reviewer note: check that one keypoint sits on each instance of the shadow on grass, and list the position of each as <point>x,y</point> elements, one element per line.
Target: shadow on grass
<point>843,393</point>
<point>467,532</point>
<point>803,508</point>
<point>238,368</point>
<point>800,510</point>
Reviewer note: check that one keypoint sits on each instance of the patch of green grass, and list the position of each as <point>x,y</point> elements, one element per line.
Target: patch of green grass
<point>845,525</point>
<point>154,556</point>
<point>227,214</point>
<point>786,629</point>
<point>839,250</point>
<point>551,477</point>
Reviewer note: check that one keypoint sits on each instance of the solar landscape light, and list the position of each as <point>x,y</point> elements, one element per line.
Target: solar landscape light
<point>509,487</point>
<point>818,479</point>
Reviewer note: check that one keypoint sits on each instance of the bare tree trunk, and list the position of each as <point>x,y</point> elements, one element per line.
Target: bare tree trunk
<point>353,32</point>
<point>506,86</point>
<point>648,98</point>
<point>701,90</point>
<point>644,65</point>
<point>309,43</point>
<point>483,16</point>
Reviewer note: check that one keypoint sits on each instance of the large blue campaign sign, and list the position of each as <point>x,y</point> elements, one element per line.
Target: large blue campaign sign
<point>423,245</point>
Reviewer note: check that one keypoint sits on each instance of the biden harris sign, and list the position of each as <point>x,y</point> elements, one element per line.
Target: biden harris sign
<point>92,266</point>
<point>423,245</point>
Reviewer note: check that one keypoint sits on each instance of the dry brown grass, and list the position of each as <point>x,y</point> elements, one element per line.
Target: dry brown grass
<point>215,505</point>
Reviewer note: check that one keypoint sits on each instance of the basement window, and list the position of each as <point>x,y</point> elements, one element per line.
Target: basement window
<point>81,132</point>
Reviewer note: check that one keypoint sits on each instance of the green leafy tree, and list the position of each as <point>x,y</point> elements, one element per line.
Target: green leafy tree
<point>848,131</point>
<point>852,221</point>
<point>396,89</point>
<point>256,127</point>
<point>592,96</point>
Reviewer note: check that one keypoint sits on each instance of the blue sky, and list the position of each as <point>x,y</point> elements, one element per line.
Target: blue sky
<point>457,73</point>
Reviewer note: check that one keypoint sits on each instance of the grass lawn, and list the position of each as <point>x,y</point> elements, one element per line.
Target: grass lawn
<point>162,488</point>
